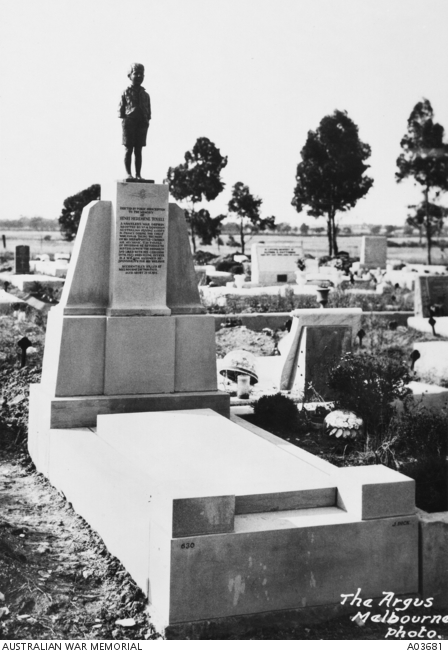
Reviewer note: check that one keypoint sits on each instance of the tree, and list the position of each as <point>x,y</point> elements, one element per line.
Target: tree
<point>304,229</point>
<point>390,229</point>
<point>330,177</point>
<point>247,208</point>
<point>375,230</point>
<point>283,228</point>
<point>424,159</point>
<point>204,226</point>
<point>199,177</point>
<point>72,210</point>
<point>428,218</point>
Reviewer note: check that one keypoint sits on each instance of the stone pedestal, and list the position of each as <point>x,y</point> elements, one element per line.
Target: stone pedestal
<point>130,321</point>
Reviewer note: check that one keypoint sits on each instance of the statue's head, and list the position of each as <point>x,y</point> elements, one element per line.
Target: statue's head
<point>136,74</point>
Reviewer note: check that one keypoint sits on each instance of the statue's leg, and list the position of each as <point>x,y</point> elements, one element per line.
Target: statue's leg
<point>128,160</point>
<point>138,161</point>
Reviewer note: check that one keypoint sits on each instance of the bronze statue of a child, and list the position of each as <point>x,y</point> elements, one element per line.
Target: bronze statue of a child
<point>135,112</point>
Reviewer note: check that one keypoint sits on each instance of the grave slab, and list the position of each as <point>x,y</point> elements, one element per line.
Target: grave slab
<point>433,359</point>
<point>432,396</point>
<point>138,478</point>
<point>422,325</point>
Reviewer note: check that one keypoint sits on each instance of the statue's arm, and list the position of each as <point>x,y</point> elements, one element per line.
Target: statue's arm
<point>122,107</point>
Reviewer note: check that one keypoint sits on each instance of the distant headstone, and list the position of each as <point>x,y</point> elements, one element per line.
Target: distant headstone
<point>275,263</point>
<point>373,251</point>
<point>431,296</point>
<point>319,338</point>
<point>325,345</point>
<point>22,260</point>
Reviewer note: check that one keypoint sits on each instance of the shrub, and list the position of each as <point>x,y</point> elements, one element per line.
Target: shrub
<point>276,411</point>
<point>368,385</point>
<point>419,431</point>
<point>202,258</point>
<point>418,438</point>
<point>15,381</point>
<point>46,293</point>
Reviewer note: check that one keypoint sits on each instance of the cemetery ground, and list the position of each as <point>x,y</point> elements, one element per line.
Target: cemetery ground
<point>57,580</point>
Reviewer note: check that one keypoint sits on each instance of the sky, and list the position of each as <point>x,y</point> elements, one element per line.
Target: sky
<point>253,76</point>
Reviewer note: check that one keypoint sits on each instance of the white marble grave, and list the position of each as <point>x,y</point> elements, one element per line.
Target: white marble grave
<point>275,262</point>
<point>214,520</point>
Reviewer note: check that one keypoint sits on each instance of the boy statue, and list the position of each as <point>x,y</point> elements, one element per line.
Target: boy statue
<point>135,112</point>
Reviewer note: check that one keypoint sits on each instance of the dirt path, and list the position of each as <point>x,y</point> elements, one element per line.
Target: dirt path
<point>57,579</point>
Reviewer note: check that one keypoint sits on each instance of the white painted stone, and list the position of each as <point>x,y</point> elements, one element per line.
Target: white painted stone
<point>431,396</point>
<point>138,275</point>
<point>433,358</point>
<point>373,251</point>
<point>271,261</point>
<point>422,325</point>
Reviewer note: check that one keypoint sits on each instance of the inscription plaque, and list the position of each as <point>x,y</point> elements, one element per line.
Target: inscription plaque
<point>139,250</point>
